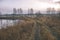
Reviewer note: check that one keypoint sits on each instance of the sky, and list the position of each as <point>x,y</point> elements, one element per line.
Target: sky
<point>25,4</point>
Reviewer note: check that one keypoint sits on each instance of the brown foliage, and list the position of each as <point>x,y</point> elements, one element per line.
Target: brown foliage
<point>17,32</point>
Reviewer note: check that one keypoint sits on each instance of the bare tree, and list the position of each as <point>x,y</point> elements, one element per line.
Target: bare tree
<point>58,12</point>
<point>48,10</point>
<point>14,11</point>
<point>20,11</point>
<point>28,11</point>
<point>1,20</point>
<point>53,10</point>
<point>38,13</point>
<point>31,11</point>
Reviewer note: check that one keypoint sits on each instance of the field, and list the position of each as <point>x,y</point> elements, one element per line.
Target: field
<point>38,28</point>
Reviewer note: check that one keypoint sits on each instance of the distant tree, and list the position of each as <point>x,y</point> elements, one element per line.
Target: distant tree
<point>58,11</point>
<point>18,11</point>
<point>21,11</point>
<point>31,11</point>
<point>0,13</point>
<point>53,10</point>
<point>48,10</point>
<point>28,11</point>
<point>58,2</point>
<point>38,13</point>
<point>14,11</point>
<point>1,20</point>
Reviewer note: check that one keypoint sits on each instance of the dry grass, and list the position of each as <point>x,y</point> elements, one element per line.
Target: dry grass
<point>20,31</point>
<point>49,29</point>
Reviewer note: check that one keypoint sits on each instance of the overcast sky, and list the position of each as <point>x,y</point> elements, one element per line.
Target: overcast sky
<point>36,4</point>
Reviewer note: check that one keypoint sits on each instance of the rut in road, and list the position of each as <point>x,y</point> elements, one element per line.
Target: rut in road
<point>37,32</point>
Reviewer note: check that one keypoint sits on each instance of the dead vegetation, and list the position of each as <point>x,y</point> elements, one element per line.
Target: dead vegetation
<point>49,29</point>
<point>22,31</point>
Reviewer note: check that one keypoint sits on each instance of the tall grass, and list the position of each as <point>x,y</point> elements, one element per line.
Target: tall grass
<point>20,31</point>
<point>49,29</point>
